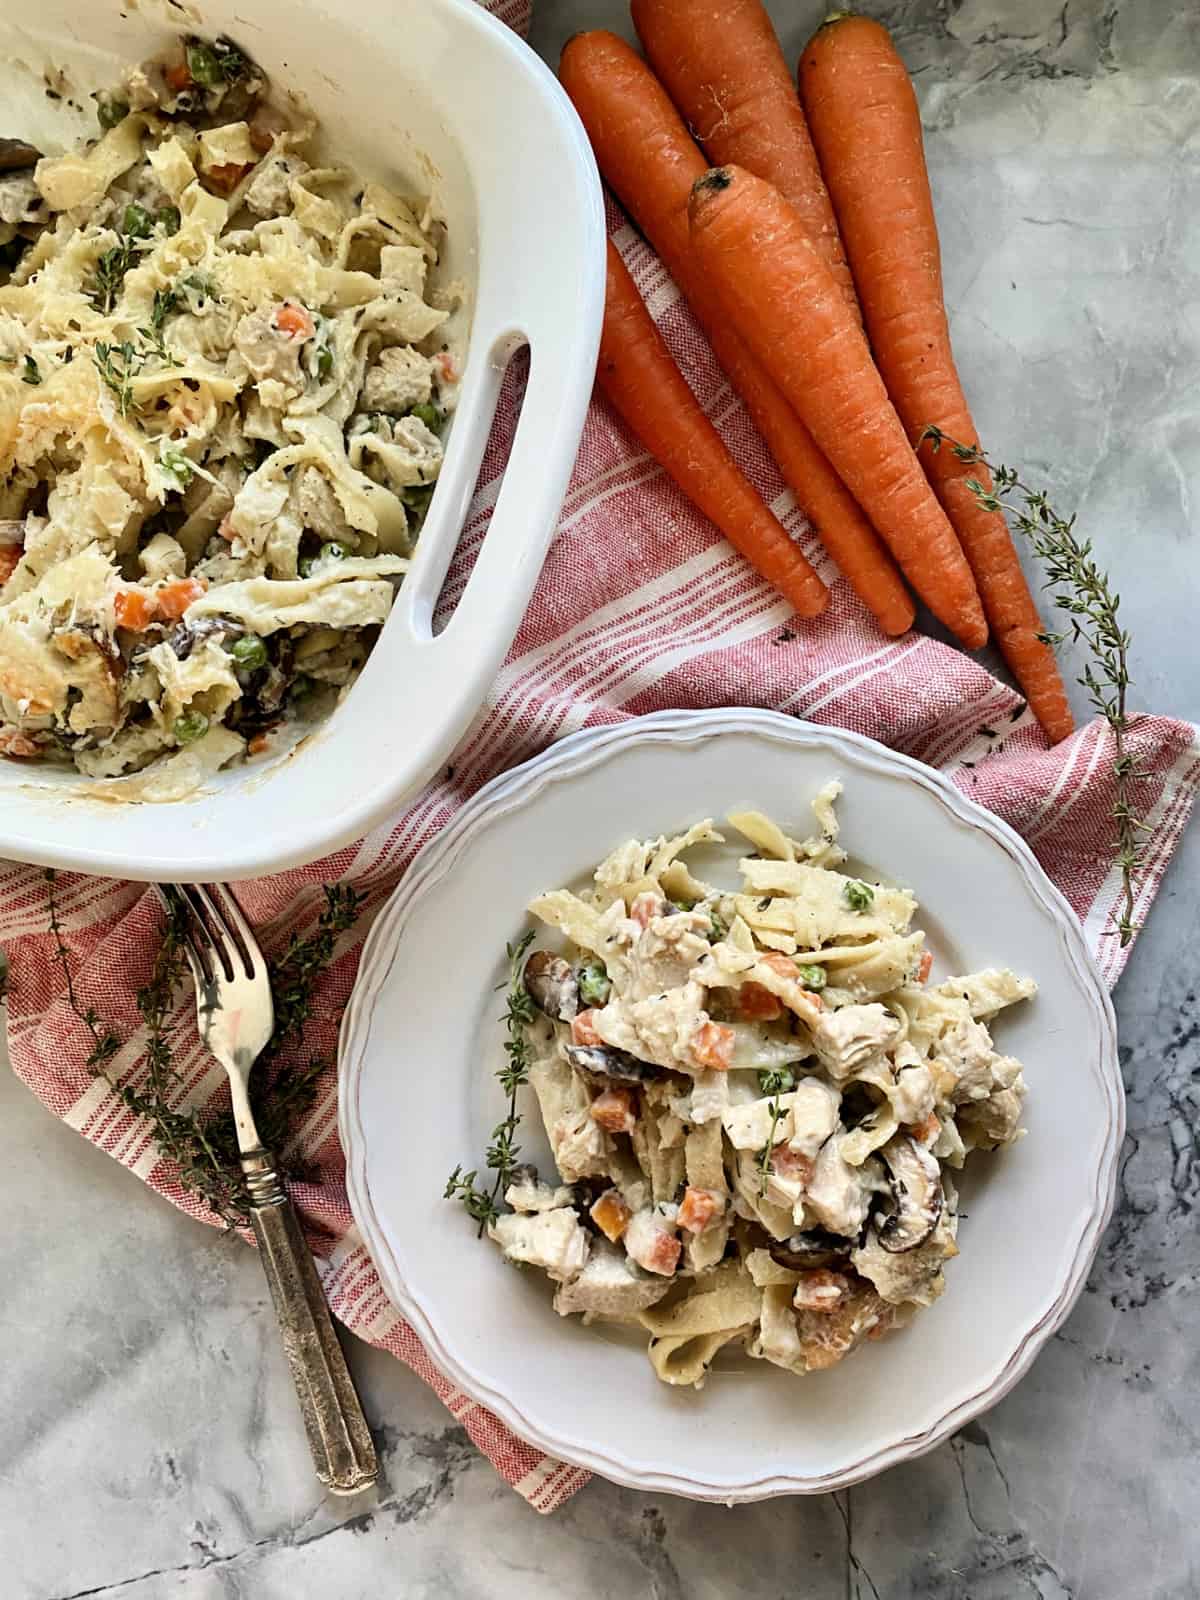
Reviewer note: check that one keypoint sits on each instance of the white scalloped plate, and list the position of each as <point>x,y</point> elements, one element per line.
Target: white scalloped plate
<point>421,1039</point>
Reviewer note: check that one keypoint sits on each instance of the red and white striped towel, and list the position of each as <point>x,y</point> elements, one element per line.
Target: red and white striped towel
<point>640,607</point>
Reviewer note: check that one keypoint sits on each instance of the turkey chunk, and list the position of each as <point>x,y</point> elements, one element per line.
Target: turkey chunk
<point>270,355</point>
<point>400,379</point>
<point>609,1287</point>
<point>268,193</point>
<point>552,1240</point>
<point>846,1038</point>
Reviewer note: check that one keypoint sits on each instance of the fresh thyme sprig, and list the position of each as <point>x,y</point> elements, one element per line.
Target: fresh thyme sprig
<point>111,267</point>
<point>204,1146</point>
<point>118,365</point>
<point>502,1152</point>
<point>165,302</point>
<point>1081,589</point>
<point>773,1081</point>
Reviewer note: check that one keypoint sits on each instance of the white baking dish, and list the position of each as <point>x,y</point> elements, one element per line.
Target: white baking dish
<point>443,100</point>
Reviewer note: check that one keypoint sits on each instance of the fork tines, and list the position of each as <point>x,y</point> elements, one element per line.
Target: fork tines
<point>214,929</point>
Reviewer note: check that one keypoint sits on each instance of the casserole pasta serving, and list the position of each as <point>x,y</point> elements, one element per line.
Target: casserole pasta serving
<point>223,383</point>
<point>755,1101</point>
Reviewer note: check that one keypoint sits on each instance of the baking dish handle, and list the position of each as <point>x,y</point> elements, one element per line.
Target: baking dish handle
<point>552,303</point>
<point>461,660</point>
<point>535,481</point>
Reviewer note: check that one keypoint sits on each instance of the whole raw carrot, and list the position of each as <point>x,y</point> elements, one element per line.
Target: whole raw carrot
<point>648,158</point>
<point>640,379</point>
<point>721,63</point>
<point>782,299</point>
<point>867,127</point>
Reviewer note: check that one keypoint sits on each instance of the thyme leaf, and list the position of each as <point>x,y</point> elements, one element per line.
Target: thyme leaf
<point>773,1081</point>
<point>201,1144</point>
<point>118,365</point>
<point>1083,592</point>
<point>503,1150</point>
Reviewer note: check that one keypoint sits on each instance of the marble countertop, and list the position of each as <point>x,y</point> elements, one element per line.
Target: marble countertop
<point>149,1443</point>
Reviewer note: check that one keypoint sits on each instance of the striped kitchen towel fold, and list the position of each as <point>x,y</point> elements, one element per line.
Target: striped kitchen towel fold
<point>640,607</point>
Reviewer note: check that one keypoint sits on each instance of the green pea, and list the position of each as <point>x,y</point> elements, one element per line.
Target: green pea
<point>191,726</point>
<point>858,895</point>
<point>428,414</point>
<point>204,66</point>
<point>594,984</point>
<point>249,652</point>
<point>332,551</point>
<point>168,219</point>
<point>178,465</point>
<point>324,361</point>
<point>812,977</point>
<point>110,112</point>
<point>305,566</point>
<point>138,223</point>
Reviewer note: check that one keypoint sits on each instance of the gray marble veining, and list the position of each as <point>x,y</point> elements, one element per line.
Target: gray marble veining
<point>149,1447</point>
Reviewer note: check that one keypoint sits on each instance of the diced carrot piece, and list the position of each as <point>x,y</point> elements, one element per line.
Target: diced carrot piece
<point>789,1163</point>
<point>611,1215</point>
<point>10,556</point>
<point>135,609</point>
<point>583,1028</point>
<point>757,1004</point>
<point>820,1290</point>
<point>786,968</point>
<point>698,1208</point>
<point>645,906</point>
<point>292,319</point>
<point>663,1255</point>
<point>178,76</point>
<point>264,125</point>
<point>778,963</point>
<point>257,746</point>
<point>447,366</point>
<point>224,178</point>
<point>613,1110</point>
<point>926,966</point>
<point>175,598</point>
<point>712,1045</point>
<point>927,1130</point>
<point>14,743</point>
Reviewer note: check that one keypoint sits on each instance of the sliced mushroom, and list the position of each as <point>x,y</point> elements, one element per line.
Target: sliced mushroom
<point>916,1193</point>
<point>17,156</point>
<point>185,636</point>
<point>552,985</point>
<point>815,1248</point>
<point>598,1061</point>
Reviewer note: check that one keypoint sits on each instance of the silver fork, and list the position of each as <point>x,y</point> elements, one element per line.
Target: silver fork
<point>236,1016</point>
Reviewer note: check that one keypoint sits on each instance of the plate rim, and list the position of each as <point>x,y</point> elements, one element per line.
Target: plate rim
<point>576,755</point>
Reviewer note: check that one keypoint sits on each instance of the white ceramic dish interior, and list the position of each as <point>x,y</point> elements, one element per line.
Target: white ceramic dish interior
<point>440,99</point>
<point>421,1040</point>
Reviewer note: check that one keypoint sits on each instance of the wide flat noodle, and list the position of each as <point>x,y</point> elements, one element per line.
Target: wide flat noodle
<point>156,334</point>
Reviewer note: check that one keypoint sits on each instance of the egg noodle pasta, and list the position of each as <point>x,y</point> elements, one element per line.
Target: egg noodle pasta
<point>755,1101</point>
<point>224,378</point>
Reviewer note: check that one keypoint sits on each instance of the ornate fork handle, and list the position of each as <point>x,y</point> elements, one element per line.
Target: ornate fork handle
<point>338,1436</point>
